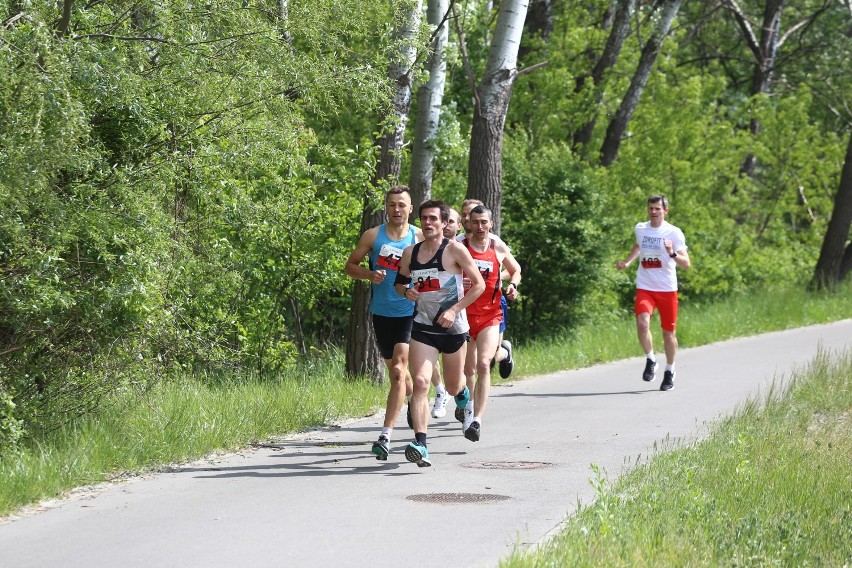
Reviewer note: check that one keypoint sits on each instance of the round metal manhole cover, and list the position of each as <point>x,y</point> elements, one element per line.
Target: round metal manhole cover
<point>509,465</point>
<point>453,498</point>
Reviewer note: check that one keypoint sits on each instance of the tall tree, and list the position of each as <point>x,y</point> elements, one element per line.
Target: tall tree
<point>835,257</point>
<point>362,355</point>
<point>764,49</point>
<point>430,97</point>
<point>620,27</point>
<point>491,102</point>
<point>618,125</point>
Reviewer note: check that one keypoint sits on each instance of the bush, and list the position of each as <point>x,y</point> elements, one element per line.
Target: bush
<point>553,219</point>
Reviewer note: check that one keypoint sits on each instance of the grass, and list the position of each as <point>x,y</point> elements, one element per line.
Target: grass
<point>180,421</point>
<point>771,486</point>
<point>698,324</point>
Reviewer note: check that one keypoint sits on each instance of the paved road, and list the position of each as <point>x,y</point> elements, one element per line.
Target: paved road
<point>320,499</point>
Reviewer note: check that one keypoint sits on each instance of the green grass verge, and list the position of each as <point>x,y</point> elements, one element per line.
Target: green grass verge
<point>771,486</point>
<point>179,421</point>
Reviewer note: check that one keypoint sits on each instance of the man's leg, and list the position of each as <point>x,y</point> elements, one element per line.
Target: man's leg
<point>486,346</point>
<point>670,343</point>
<point>422,358</point>
<point>398,371</point>
<point>643,330</point>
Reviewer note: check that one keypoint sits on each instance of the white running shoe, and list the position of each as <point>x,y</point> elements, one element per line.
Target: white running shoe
<point>468,418</point>
<point>439,409</point>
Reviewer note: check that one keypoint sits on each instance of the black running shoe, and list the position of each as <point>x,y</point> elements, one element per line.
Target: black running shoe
<point>472,432</point>
<point>507,364</point>
<point>668,381</point>
<point>408,417</point>
<point>459,414</point>
<point>649,374</point>
<point>381,449</point>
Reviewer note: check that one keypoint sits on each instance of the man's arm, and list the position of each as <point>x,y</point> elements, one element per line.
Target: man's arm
<point>513,268</point>
<point>634,254</point>
<point>402,285</point>
<point>353,267</point>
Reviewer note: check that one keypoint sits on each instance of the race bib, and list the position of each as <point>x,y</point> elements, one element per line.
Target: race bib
<point>485,267</point>
<point>425,280</point>
<point>651,262</point>
<point>389,257</point>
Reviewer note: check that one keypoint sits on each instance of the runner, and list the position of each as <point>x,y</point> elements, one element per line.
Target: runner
<point>504,358</point>
<point>442,397</point>
<point>392,316</point>
<point>662,247</point>
<point>430,273</point>
<point>485,314</point>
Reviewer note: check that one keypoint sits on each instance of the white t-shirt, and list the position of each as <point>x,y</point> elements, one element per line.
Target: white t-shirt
<point>657,270</point>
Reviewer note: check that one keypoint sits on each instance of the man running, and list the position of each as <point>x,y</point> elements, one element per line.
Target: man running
<point>430,274</point>
<point>392,316</point>
<point>662,247</point>
<point>442,397</point>
<point>485,313</point>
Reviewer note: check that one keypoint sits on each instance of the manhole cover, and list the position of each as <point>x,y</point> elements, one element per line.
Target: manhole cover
<point>508,465</point>
<point>457,498</point>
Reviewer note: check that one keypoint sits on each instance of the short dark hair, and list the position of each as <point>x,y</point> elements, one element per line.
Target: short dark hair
<point>397,190</point>
<point>480,209</point>
<point>658,199</point>
<point>433,203</point>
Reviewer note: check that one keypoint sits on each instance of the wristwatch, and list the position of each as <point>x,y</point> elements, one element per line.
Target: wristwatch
<point>673,254</point>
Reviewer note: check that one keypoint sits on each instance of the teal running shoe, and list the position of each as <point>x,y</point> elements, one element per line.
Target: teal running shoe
<point>461,403</point>
<point>415,453</point>
<point>462,398</point>
<point>381,449</point>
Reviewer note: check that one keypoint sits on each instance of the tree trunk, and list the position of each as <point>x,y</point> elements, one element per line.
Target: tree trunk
<point>362,354</point>
<point>485,167</point>
<point>429,100</point>
<point>835,257</point>
<point>538,23</point>
<point>616,129</point>
<point>764,51</point>
<point>620,28</point>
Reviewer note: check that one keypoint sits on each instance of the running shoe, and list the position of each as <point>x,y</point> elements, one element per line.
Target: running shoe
<point>507,364</point>
<point>462,398</point>
<point>408,416</point>
<point>649,374</point>
<point>668,381</point>
<point>468,419</point>
<point>439,409</point>
<point>381,449</point>
<point>415,453</point>
<point>472,432</point>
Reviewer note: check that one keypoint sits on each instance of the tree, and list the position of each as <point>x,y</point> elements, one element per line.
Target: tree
<point>835,257</point>
<point>429,100</point>
<point>362,354</point>
<point>618,33</point>
<point>491,102</point>
<point>618,125</point>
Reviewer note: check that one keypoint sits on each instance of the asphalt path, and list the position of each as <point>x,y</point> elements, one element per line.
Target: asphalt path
<point>321,499</point>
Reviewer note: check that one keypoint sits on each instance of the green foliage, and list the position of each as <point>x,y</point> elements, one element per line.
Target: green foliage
<point>554,226</point>
<point>165,204</point>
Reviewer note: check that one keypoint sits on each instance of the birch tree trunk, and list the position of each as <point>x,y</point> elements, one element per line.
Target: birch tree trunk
<point>835,257</point>
<point>362,354</point>
<point>616,129</point>
<point>429,100</point>
<point>485,167</point>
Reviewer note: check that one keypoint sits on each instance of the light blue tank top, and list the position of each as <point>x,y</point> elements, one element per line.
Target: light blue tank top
<point>386,255</point>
